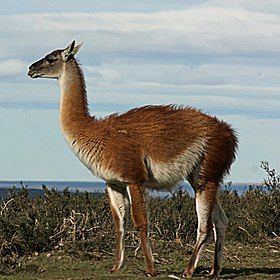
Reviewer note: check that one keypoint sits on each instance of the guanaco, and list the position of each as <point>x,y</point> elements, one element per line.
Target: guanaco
<point>154,147</point>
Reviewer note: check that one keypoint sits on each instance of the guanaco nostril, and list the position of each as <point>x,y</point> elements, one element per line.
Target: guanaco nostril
<point>31,72</point>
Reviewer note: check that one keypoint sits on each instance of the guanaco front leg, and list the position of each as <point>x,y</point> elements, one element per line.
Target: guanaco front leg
<point>119,205</point>
<point>139,215</point>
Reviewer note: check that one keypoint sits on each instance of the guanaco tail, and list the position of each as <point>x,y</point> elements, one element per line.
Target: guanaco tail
<point>153,147</point>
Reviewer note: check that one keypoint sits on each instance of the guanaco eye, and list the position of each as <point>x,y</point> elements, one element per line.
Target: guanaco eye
<point>50,59</point>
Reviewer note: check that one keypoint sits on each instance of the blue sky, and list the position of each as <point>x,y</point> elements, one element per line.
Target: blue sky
<point>221,57</point>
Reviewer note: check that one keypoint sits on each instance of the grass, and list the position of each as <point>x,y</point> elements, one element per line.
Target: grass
<point>241,262</point>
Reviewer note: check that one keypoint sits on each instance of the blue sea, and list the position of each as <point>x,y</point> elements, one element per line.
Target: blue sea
<point>35,187</point>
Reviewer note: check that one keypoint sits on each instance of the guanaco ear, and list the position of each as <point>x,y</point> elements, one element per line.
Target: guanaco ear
<point>70,51</point>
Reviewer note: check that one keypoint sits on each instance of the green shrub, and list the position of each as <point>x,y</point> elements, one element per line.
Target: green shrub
<point>254,216</point>
<point>173,219</point>
<point>70,221</point>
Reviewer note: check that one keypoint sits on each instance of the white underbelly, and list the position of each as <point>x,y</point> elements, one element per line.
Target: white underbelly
<point>166,175</point>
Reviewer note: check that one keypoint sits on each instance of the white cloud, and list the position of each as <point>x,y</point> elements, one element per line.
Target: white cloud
<point>106,74</point>
<point>11,67</point>
<point>199,29</point>
<point>269,6</point>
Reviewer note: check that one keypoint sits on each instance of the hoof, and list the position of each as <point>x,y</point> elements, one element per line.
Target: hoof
<point>214,275</point>
<point>151,274</point>
<point>187,274</point>
<point>114,269</point>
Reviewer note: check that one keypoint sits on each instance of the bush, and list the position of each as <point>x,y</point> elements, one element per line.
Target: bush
<point>173,219</point>
<point>254,216</point>
<point>70,221</point>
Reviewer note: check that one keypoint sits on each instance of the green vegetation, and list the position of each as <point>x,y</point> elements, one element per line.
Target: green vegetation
<point>64,235</point>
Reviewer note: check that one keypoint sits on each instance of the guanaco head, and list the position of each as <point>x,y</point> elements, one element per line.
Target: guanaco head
<point>51,66</point>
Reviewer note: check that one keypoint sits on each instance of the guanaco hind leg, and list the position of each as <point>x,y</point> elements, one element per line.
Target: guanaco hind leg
<point>119,205</point>
<point>205,201</point>
<point>220,222</point>
<point>140,220</point>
